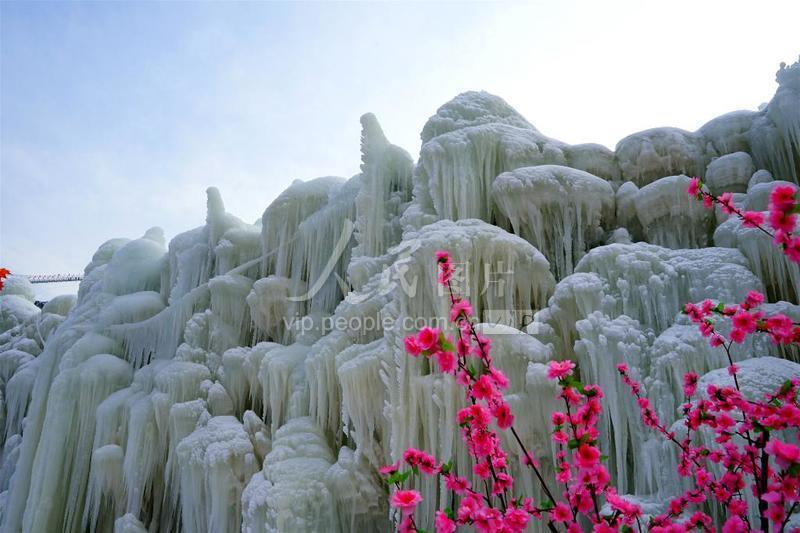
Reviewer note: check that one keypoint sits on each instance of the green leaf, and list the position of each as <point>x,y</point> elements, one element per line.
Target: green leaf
<point>446,467</point>
<point>450,514</point>
<point>547,506</point>
<point>415,469</point>
<point>471,370</point>
<point>573,443</point>
<point>720,307</point>
<point>444,343</point>
<point>604,457</point>
<point>398,477</point>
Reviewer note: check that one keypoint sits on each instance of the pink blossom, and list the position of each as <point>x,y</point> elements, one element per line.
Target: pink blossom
<point>443,524</point>
<point>753,299</point>
<point>406,500</point>
<point>752,219</point>
<point>694,187</point>
<point>726,201</point>
<point>459,485</point>
<point>561,512</point>
<point>792,250</point>
<point>461,308</point>
<point>516,519</point>
<point>559,369</point>
<point>587,456</point>
<point>446,360</point>
<point>428,338</point>
<point>442,256</point>
<point>785,454</point>
<point>782,198</point>
<point>503,415</point>
<point>412,346</point>
<point>388,470</point>
<point>483,388</point>
<point>744,321</point>
<point>499,378</point>
<point>778,220</point>
<point>689,383</point>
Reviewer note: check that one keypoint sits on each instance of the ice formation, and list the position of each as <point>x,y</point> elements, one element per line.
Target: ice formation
<point>251,377</point>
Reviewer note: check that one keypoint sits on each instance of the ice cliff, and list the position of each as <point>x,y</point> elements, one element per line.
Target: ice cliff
<point>252,378</point>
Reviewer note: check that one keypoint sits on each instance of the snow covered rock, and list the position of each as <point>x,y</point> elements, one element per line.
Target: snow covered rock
<point>559,210</point>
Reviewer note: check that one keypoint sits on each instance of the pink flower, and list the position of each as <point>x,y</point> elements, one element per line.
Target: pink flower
<point>694,187</point>
<point>459,485</point>
<point>428,338</point>
<point>446,360</point>
<point>516,519</point>
<point>406,500</point>
<point>483,388</point>
<point>689,383</point>
<point>785,454</point>
<point>499,377</point>
<point>412,346</point>
<point>443,524</point>
<point>780,328</point>
<point>561,512</point>
<point>559,369</point>
<point>792,249</point>
<point>752,219</point>
<point>726,201</point>
<point>734,524</point>
<point>587,456</point>
<point>462,308</point>
<point>442,256</point>
<point>558,418</point>
<point>482,470</point>
<point>744,321</point>
<point>778,220</point>
<point>503,415</point>
<point>388,470</point>
<point>753,299</point>
<point>476,413</point>
<point>782,198</point>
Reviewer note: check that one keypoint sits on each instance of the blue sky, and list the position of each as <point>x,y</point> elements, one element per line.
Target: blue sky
<point>115,117</point>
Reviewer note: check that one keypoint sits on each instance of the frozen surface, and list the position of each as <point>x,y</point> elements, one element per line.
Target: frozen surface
<point>252,377</point>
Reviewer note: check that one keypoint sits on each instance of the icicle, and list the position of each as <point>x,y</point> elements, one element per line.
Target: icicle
<point>270,308</point>
<point>559,210</point>
<point>228,293</point>
<point>283,384</point>
<point>671,218</point>
<point>325,407</point>
<point>595,159</point>
<point>651,154</point>
<point>358,371</point>
<point>780,276</point>
<point>385,190</point>
<point>61,469</point>
<point>729,173</point>
<point>290,494</point>
<point>604,343</point>
<point>776,136</point>
<point>282,218</point>
<point>651,284</point>
<point>459,167</point>
<point>359,493</point>
<point>158,336</point>
<point>216,460</point>
<point>322,253</point>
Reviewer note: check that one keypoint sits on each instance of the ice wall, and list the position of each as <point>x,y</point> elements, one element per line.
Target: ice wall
<point>252,377</point>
